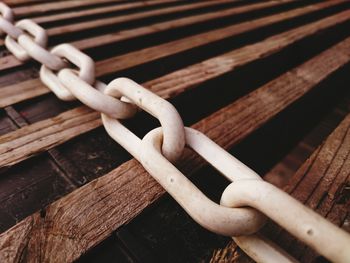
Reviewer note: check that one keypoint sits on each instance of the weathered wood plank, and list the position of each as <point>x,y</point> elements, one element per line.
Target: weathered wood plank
<point>17,149</point>
<point>10,61</point>
<point>41,8</point>
<point>319,183</point>
<point>283,171</point>
<point>80,220</point>
<point>64,129</point>
<point>126,18</point>
<point>97,11</point>
<point>183,6</point>
<point>167,49</point>
<point>32,88</point>
<point>17,2</point>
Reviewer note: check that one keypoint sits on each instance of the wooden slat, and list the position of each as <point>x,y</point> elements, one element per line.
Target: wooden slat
<point>319,183</point>
<point>126,18</point>
<point>57,130</point>
<point>166,86</point>
<point>80,220</point>
<point>41,8</point>
<point>282,172</point>
<point>160,51</point>
<point>86,25</point>
<point>98,10</point>
<point>32,88</point>
<point>17,2</point>
<point>10,61</point>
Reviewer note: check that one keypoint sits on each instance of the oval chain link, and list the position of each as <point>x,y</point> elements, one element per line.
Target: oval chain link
<point>6,20</point>
<point>28,28</point>
<point>170,120</point>
<point>94,98</point>
<point>299,220</point>
<point>82,61</point>
<point>234,221</point>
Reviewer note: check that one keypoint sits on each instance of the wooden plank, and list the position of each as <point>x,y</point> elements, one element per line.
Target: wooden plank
<point>142,56</point>
<point>167,86</point>
<point>41,8</point>
<point>319,183</point>
<point>93,42</point>
<point>80,220</point>
<point>56,130</point>
<point>86,25</point>
<point>32,88</point>
<point>97,11</point>
<point>17,2</point>
<point>283,171</point>
<point>125,18</point>
<point>173,24</point>
<point>327,179</point>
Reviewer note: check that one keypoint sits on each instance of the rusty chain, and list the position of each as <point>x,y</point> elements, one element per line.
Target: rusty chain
<point>245,203</point>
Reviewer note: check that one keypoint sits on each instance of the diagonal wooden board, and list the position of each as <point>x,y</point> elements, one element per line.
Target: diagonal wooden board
<point>55,6</point>
<point>33,88</point>
<point>79,221</point>
<point>98,10</point>
<point>108,21</point>
<point>321,184</point>
<point>10,61</point>
<point>169,85</point>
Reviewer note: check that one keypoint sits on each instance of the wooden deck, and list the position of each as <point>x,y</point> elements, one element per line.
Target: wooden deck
<point>267,80</point>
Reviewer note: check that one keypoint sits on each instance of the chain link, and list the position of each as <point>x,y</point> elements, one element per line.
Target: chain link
<point>28,28</point>
<point>6,19</point>
<point>234,221</point>
<point>170,120</point>
<point>83,62</point>
<point>94,98</point>
<point>308,226</point>
<point>245,203</point>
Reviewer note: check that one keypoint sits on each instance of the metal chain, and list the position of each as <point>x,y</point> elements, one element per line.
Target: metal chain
<point>245,203</point>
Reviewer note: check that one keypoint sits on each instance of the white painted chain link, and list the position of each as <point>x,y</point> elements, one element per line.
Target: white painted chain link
<point>29,29</point>
<point>245,203</point>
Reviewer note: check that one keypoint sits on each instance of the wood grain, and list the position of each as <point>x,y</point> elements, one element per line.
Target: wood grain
<point>167,49</point>
<point>166,86</point>
<point>283,171</point>
<point>79,221</point>
<point>45,135</point>
<point>17,2</point>
<point>91,24</point>
<point>98,10</point>
<point>41,8</point>
<point>32,88</point>
<point>10,61</point>
<point>320,184</point>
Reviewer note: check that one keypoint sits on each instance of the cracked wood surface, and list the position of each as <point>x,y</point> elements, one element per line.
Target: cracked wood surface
<point>321,183</point>
<point>85,217</point>
<point>171,85</point>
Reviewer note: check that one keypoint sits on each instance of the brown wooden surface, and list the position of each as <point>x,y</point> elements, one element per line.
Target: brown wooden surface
<point>114,20</point>
<point>10,61</point>
<point>60,5</point>
<point>166,86</point>
<point>186,52</point>
<point>321,183</point>
<point>82,209</point>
